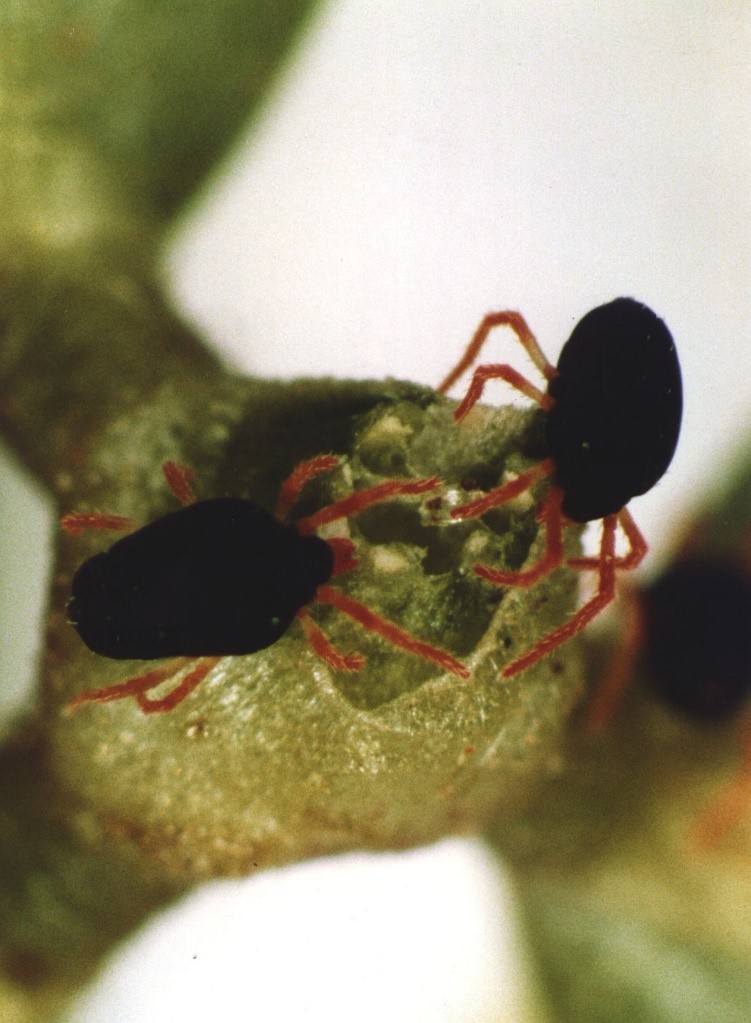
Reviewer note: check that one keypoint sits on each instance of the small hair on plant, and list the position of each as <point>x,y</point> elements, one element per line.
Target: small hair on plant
<point>221,577</point>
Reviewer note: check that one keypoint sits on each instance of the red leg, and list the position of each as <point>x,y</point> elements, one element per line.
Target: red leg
<point>585,614</point>
<point>498,496</point>
<point>499,372</point>
<point>344,555</point>
<point>729,806</point>
<point>549,516</point>
<point>131,687</point>
<point>322,646</point>
<point>635,537</point>
<point>139,686</point>
<point>518,324</point>
<point>637,551</point>
<point>193,679</point>
<point>76,522</point>
<point>300,475</point>
<point>609,694</point>
<point>382,627</point>
<point>362,499</point>
<point>178,478</point>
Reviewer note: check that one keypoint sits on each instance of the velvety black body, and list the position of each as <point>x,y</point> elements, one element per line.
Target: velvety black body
<point>618,404</point>
<point>221,576</point>
<point>698,644</point>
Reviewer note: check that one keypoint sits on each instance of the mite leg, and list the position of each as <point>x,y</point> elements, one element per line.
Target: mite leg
<point>178,479</point>
<point>382,627</point>
<point>300,475</point>
<point>132,686</point>
<point>498,496</point>
<point>518,324</point>
<point>350,505</point>
<point>138,686</point>
<point>362,499</point>
<point>730,806</point>
<point>609,693</point>
<point>637,545</point>
<point>322,646</point>
<point>550,518</point>
<point>345,561</point>
<point>76,523</point>
<point>344,555</point>
<point>604,595</point>
<point>496,371</point>
<point>186,686</point>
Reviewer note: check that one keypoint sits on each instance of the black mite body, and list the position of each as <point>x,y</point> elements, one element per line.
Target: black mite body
<point>613,407</point>
<point>221,576</point>
<point>224,577</point>
<point>617,406</point>
<point>697,637</point>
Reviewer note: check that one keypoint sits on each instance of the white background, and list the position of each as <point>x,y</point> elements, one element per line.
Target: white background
<point>418,165</point>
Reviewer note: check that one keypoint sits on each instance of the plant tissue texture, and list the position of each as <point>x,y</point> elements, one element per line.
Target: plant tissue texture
<point>275,756</point>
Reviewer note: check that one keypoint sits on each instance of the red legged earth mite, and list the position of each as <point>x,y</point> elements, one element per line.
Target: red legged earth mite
<point>223,577</point>
<point>613,409</point>
<point>690,631</point>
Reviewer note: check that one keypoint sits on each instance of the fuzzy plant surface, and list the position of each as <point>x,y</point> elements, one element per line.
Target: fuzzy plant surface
<point>113,114</point>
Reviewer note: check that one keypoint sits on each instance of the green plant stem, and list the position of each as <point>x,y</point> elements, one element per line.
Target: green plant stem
<point>113,112</point>
<point>156,89</point>
<point>66,896</point>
